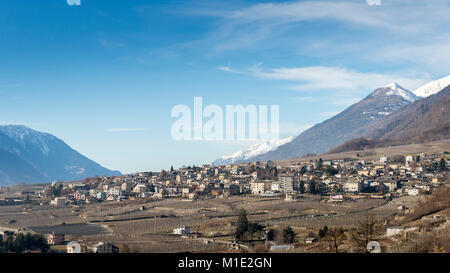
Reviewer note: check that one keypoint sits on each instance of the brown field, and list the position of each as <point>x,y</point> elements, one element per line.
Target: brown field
<point>375,154</point>
<point>150,230</point>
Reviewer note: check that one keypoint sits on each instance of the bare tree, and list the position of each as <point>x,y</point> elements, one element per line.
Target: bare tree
<point>335,237</point>
<point>365,232</point>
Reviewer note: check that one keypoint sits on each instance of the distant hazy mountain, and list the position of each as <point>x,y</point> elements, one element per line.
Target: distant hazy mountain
<point>425,120</point>
<point>28,156</point>
<point>432,87</point>
<point>252,151</point>
<point>345,125</point>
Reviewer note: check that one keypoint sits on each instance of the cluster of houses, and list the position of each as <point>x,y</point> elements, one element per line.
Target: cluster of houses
<point>77,247</point>
<point>410,176</point>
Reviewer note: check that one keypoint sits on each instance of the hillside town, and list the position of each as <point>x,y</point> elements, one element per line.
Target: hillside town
<point>335,181</point>
<point>340,178</point>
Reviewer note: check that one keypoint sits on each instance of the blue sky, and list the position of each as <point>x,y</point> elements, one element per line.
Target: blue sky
<point>104,75</point>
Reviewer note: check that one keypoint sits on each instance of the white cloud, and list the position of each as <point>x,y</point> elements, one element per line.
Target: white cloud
<point>374,2</point>
<point>345,101</point>
<point>432,54</point>
<point>135,59</point>
<point>224,68</point>
<point>292,129</point>
<point>128,129</point>
<point>228,69</point>
<point>232,70</point>
<point>73,2</point>
<point>416,26</point>
<point>340,79</point>
<point>244,27</point>
<point>109,43</point>
<point>25,123</point>
<point>328,114</point>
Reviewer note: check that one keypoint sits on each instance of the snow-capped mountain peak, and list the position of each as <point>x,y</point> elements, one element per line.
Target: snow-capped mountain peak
<point>393,85</point>
<point>432,87</point>
<point>29,156</point>
<point>252,151</point>
<point>396,89</point>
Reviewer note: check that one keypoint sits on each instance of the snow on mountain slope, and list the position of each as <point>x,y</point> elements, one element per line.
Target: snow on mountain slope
<point>432,87</point>
<point>396,89</point>
<point>29,156</point>
<point>252,151</point>
<point>349,124</point>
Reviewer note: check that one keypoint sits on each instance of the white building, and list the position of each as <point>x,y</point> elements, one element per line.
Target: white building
<point>182,231</point>
<point>275,186</point>
<point>125,186</point>
<point>115,191</point>
<point>59,202</point>
<point>336,198</point>
<point>391,231</point>
<point>391,185</point>
<point>286,183</point>
<point>101,247</point>
<point>412,191</point>
<point>257,187</point>
<point>384,159</point>
<point>140,188</point>
<point>353,186</point>
<point>75,247</point>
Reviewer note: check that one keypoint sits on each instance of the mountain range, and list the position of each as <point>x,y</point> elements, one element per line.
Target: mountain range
<point>425,120</point>
<point>252,151</point>
<point>29,156</point>
<point>390,114</point>
<point>371,116</point>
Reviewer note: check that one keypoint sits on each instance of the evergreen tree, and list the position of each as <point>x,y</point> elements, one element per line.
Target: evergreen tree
<point>254,228</point>
<point>303,170</point>
<point>242,225</point>
<point>288,235</point>
<point>302,187</point>
<point>320,164</point>
<point>208,189</point>
<point>433,166</point>
<point>323,232</point>
<point>24,242</point>
<point>442,166</point>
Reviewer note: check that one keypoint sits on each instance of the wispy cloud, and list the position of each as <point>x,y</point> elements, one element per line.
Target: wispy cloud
<point>25,123</point>
<point>228,69</point>
<point>73,2</point>
<point>345,101</point>
<point>109,43</point>
<point>243,27</point>
<point>431,54</point>
<point>341,79</point>
<point>135,59</point>
<point>373,2</point>
<point>328,114</point>
<point>406,33</point>
<point>128,129</point>
<point>292,129</point>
